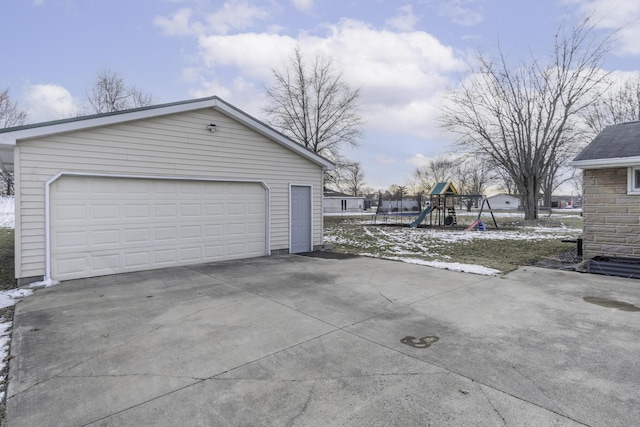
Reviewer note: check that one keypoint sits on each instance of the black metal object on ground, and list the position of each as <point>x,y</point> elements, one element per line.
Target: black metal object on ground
<point>578,243</point>
<point>615,266</point>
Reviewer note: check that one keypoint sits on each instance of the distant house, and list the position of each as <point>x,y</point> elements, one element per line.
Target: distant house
<point>371,201</point>
<point>400,204</point>
<point>336,202</point>
<point>504,201</point>
<point>566,202</point>
<point>611,192</point>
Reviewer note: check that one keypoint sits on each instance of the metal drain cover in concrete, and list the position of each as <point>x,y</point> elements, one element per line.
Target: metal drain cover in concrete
<point>611,303</point>
<point>423,342</point>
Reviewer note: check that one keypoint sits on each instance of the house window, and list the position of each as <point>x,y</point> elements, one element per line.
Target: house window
<point>633,180</point>
<point>344,205</point>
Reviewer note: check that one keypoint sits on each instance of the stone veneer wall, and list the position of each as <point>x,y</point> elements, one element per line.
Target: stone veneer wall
<point>611,217</point>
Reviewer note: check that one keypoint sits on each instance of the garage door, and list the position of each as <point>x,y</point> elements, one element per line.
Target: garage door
<point>104,226</point>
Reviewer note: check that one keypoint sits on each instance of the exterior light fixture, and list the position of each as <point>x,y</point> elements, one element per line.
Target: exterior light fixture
<point>212,127</point>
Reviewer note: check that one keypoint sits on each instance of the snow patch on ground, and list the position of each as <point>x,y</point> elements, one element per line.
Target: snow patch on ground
<point>10,297</point>
<point>7,299</point>
<point>425,246</point>
<point>452,266</point>
<point>5,339</point>
<point>7,212</point>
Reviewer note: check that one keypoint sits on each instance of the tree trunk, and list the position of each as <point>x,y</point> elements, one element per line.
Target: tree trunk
<point>530,199</point>
<point>468,204</point>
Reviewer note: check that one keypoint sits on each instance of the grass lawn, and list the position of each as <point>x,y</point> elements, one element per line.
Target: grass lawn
<point>7,276</point>
<point>7,281</point>
<point>515,244</point>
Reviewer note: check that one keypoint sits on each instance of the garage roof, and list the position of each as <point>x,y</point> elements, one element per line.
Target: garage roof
<point>616,145</point>
<point>9,136</point>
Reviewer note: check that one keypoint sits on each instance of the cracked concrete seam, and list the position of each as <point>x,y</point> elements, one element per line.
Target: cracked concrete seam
<point>176,377</point>
<point>556,409</point>
<point>305,406</point>
<point>330,378</point>
<point>479,387</point>
<point>378,291</point>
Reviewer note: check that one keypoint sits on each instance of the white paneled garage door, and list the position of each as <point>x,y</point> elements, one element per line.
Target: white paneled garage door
<point>114,225</point>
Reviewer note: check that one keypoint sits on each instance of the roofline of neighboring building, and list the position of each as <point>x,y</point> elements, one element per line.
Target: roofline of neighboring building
<point>505,194</point>
<point>9,136</point>
<point>606,163</point>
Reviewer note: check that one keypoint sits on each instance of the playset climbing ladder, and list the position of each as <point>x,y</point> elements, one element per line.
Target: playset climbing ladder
<point>451,218</point>
<point>442,197</point>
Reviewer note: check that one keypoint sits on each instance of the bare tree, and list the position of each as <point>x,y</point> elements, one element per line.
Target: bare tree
<point>10,116</point>
<point>618,105</point>
<point>472,177</point>
<point>336,178</point>
<point>354,179</point>
<point>413,186</point>
<point>521,116</point>
<point>140,98</point>
<point>576,183</point>
<point>505,181</point>
<point>347,177</point>
<point>559,173</point>
<point>440,169</point>
<point>395,190</point>
<point>311,104</point>
<point>110,93</point>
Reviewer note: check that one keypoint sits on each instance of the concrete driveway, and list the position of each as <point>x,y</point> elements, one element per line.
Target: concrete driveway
<point>297,340</point>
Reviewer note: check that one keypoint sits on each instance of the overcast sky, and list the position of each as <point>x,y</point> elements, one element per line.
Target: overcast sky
<point>403,55</point>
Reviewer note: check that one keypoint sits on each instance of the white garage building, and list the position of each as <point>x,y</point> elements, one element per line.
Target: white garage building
<point>167,185</point>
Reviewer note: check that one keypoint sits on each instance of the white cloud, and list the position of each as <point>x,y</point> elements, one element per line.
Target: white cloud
<point>405,20</point>
<point>232,15</point>
<point>418,160</point>
<point>401,74</point>
<point>49,102</point>
<point>303,5</point>
<point>385,160</point>
<point>235,15</point>
<point>463,12</point>
<point>615,15</point>
<point>620,77</point>
<point>255,54</point>
<point>239,92</point>
<point>179,24</point>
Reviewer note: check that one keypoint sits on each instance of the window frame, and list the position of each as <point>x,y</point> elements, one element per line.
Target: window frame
<point>633,180</point>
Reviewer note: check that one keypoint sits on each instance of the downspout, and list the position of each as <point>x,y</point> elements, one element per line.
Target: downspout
<point>47,280</point>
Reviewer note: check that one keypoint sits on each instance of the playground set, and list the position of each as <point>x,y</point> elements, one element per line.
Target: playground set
<point>438,210</point>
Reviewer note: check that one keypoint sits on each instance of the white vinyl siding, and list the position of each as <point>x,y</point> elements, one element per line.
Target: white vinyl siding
<point>177,145</point>
<point>116,225</point>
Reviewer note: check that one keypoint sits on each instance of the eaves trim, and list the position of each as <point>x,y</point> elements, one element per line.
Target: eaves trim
<point>606,163</point>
